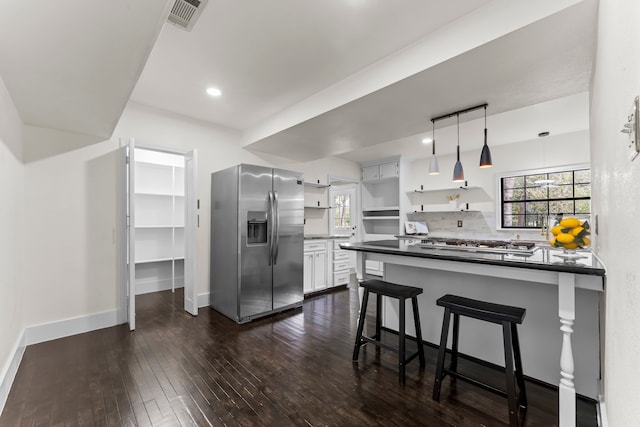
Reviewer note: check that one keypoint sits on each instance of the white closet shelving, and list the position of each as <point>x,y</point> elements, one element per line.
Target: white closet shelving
<point>159,220</point>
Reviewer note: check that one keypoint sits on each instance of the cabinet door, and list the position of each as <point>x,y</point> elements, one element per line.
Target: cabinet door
<point>370,173</point>
<point>389,170</point>
<point>375,268</point>
<point>308,272</point>
<point>319,270</point>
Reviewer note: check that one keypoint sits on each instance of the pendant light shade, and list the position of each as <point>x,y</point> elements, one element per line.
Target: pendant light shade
<point>434,169</point>
<point>485,156</point>
<point>458,172</point>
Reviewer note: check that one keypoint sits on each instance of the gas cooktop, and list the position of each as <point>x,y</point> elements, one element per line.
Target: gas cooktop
<point>491,246</point>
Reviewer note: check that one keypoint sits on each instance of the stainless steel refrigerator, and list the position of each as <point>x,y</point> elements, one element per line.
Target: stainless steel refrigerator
<point>257,236</point>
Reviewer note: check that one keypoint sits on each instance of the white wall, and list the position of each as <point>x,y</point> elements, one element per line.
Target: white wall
<point>317,220</point>
<point>70,257</point>
<point>11,228</point>
<point>616,81</point>
<point>71,206</point>
<point>554,150</point>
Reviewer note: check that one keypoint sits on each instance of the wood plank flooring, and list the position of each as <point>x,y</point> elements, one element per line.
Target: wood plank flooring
<point>292,369</point>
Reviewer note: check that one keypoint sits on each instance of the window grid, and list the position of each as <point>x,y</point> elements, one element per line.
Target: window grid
<point>520,208</point>
<point>342,213</point>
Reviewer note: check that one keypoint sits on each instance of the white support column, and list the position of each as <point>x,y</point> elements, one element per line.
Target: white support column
<point>360,273</point>
<point>567,313</point>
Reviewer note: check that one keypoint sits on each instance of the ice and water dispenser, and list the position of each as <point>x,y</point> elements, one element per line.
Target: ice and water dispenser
<point>256,227</point>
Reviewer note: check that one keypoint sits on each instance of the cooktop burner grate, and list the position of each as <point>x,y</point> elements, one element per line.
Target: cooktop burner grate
<point>495,246</point>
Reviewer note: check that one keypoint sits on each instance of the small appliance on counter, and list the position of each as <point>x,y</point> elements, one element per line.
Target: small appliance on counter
<point>257,234</point>
<point>416,227</point>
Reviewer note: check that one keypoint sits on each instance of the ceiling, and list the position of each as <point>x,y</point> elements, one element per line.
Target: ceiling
<point>358,79</point>
<point>71,65</point>
<point>268,55</point>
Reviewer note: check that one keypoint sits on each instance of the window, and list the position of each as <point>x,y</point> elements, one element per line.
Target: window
<point>343,215</point>
<point>527,199</point>
<point>342,211</point>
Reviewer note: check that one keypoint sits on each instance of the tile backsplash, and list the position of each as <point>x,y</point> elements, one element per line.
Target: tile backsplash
<point>475,225</point>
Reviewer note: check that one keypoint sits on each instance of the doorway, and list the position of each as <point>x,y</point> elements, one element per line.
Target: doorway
<point>344,215</point>
<point>160,220</point>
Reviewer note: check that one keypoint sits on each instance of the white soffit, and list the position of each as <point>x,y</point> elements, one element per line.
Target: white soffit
<point>72,65</point>
<point>559,116</point>
<point>509,54</point>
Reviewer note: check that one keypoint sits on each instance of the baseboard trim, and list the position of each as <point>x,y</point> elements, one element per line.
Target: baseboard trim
<point>602,414</point>
<point>203,300</point>
<point>10,369</point>
<point>77,325</point>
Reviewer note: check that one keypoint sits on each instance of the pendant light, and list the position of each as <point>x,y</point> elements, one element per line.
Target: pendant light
<point>544,182</point>
<point>458,172</point>
<point>485,156</point>
<point>434,169</point>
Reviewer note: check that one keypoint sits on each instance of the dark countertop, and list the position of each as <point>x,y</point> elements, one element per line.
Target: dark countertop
<point>542,259</point>
<point>323,237</point>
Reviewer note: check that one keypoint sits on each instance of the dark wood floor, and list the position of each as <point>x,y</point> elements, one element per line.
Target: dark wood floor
<point>292,369</point>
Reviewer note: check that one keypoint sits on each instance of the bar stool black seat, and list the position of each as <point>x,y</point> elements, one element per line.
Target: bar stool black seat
<point>505,315</point>
<point>401,292</point>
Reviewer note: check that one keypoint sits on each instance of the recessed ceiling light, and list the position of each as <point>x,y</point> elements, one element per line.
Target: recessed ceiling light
<point>214,91</point>
<point>427,141</point>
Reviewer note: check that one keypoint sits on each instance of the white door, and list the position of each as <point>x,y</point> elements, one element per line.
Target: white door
<point>319,270</point>
<point>190,232</point>
<point>131,232</point>
<point>307,272</point>
<point>343,217</point>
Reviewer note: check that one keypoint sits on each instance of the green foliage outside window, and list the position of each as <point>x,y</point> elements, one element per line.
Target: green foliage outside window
<point>526,200</point>
<point>342,212</point>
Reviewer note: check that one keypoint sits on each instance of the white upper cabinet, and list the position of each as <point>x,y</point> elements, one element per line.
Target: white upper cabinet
<point>389,170</point>
<point>370,173</point>
<point>380,171</point>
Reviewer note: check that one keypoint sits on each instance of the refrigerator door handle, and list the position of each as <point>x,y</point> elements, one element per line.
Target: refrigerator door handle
<point>277,232</point>
<point>270,222</point>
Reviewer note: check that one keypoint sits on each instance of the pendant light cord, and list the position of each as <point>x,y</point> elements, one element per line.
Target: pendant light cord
<point>433,137</point>
<point>458,120</point>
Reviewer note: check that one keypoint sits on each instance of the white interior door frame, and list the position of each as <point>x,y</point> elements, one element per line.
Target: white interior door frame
<point>128,145</point>
<point>191,223</point>
<point>190,235</point>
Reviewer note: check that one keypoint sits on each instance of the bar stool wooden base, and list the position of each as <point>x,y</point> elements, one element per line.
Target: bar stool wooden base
<point>400,292</point>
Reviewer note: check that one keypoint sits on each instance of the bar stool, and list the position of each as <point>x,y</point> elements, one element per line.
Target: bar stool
<point>505,315</point>
<point>400,292</point>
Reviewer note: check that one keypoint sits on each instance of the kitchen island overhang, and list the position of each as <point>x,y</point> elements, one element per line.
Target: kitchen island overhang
<point>572,287</point>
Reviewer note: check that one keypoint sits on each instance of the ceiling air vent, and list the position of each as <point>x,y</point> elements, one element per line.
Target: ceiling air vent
<point>185,13</point>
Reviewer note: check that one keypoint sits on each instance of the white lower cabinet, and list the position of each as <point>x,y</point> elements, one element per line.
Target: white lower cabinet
<point>315,265</point>
<point>341,265</point>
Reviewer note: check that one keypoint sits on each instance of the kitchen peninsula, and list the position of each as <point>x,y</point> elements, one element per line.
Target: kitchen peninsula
<point>546,285</point>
